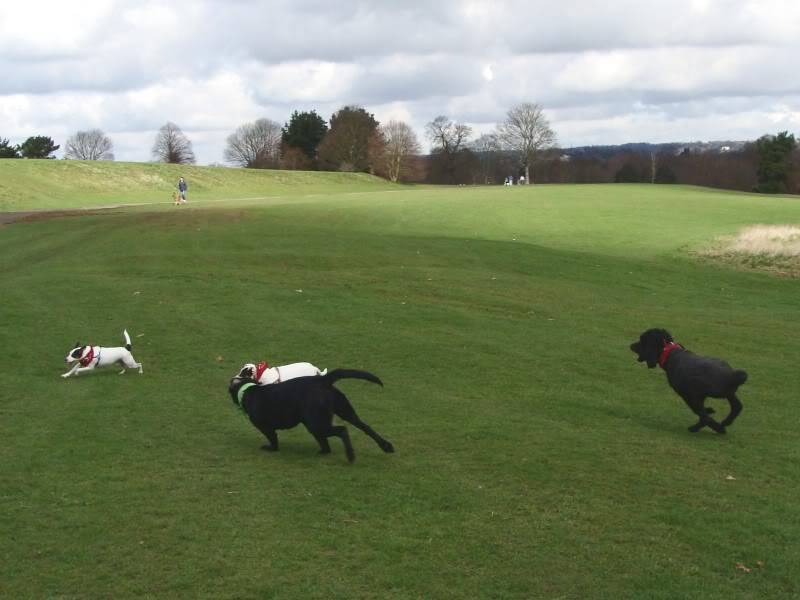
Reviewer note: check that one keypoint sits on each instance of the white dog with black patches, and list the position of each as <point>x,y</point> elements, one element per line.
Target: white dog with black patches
<point>263,374</point>
<point>87,358</point>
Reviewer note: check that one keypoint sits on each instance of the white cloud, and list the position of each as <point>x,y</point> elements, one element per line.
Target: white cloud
<point>658,71</point>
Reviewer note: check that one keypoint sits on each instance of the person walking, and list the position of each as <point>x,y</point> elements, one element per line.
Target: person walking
<point>182,187</point>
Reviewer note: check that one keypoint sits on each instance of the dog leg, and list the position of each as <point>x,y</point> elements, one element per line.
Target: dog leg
<point>340,432</point>
<point>702,412</point>
<point>736,408</point>
<point>272,436</point>
<point>345,411</point>
<point>131,363</point>
<point>383,444</point>
<point>72,370</point>
<point>322,440</point>
<point>80,370</point>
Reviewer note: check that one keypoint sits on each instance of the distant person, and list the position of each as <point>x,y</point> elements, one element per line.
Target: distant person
<point>522,180</point>
<point>182,187</point>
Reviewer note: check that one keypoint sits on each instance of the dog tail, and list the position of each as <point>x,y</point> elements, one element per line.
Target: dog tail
<point>739,377</point>
<point>338,374</point>
<point>127,340</point>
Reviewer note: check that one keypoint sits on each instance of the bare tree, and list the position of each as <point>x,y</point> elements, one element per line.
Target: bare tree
<point>172,146</point>
<point>255,145</point>
<point>486,148</point>
<point>400,147</point>
<point>526,132</point>
<point>89,145</point>
<point>446,135</point>
<point>448,140</point>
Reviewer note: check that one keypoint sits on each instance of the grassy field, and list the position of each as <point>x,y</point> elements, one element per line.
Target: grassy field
<point>58,184</point>
<point>535,458</point>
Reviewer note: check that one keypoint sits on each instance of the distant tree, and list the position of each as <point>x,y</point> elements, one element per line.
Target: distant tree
<point>486,149</point>
<point>448,140</point>
<point>526,132</point>
<point>89,145</point>
<point>774,162</point>
<point>172,146</point>
<point>664,174</point>
<point>400,147</point>
<point>39,146</point>
<point>255,145</point>
<point>629,174</point>
<point>293,158</point>
<point>305,130</point>
<point>7,150</point>
<point>346,146</point>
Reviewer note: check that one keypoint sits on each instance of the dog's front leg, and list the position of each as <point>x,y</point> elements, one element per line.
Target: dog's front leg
<point>72,370</point>
<point>84,369</point>
<point>272,436</point>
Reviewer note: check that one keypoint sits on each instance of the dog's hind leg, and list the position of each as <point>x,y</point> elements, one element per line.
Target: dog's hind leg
<point>345,411</point>
<point>337,431</point>
<point>702,412</point>
<point>736,408</point>
<point>322,440</point>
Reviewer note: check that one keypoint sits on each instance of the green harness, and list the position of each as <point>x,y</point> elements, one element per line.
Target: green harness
<point>240,394</point>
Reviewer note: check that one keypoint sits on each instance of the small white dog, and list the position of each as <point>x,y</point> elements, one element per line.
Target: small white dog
<point>263,374</point>
<point>87,358</point>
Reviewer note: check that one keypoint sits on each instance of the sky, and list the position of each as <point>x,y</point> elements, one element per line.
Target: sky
<point>604,73</point>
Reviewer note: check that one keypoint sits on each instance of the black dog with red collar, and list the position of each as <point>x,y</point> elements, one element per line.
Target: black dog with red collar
<point>693,377</point>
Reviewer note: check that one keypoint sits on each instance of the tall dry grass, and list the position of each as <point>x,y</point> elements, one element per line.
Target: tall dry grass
<point>769,240</point>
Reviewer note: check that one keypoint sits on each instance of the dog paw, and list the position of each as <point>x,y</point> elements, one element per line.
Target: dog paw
<point>65,375</point>
<point>387,447</point>
<point>695,428</point>
<point>269,448</point>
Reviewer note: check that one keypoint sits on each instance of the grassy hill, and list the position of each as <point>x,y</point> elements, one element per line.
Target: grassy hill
<point>535,457</point>
<point>49,184</point>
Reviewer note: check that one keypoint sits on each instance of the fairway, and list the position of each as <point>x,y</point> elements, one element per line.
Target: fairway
<point>535,458</point>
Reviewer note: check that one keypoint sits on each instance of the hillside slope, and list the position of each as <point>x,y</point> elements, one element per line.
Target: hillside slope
<point>56,184</point>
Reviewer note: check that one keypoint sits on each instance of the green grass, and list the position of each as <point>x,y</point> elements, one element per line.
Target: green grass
<point>535,458</point>
<point>59,184</point>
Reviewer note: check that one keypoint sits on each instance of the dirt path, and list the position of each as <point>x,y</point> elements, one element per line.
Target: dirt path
<point>6,218</point>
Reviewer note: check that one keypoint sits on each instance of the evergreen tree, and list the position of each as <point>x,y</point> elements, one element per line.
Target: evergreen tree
<point>304,130</point>
<point>774,164</point>
<point>7,150</point>
<point>38,146</point>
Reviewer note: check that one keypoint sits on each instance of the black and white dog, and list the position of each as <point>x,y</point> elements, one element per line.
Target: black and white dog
<point>87,358</point>
<point>263,374</point>
<point>311,401</point>
<point>693,377</point>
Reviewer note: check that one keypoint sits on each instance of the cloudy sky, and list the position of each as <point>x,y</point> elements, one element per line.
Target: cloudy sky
<point>637,70</point>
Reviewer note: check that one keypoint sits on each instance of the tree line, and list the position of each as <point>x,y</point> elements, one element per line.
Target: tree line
<point>522,145</point>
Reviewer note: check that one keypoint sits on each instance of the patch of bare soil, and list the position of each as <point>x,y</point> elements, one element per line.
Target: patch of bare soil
<point>7,218</point>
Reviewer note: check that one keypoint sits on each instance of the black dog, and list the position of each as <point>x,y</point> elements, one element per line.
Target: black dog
<point>693,377</point>
<point>311,401</point>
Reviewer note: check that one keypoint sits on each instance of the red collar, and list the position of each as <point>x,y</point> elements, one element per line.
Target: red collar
<point>260,368</point>
<point>87,358</point>
<point>668,348</point>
